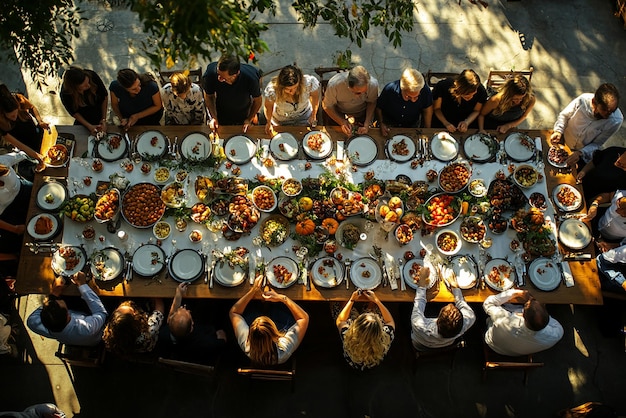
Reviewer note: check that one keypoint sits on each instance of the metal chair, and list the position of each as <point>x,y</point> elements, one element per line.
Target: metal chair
<point>433,77</point>
<point>495,361</point>
<point>498,77</point>
<point>288,374</point>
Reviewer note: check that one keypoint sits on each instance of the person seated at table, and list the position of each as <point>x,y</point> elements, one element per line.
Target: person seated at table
<point>86,98</point>
<point>24,121</point>
<point>605,173</point>
<point>612,223</point>
<point>291,98</point>
<point>136,99</point>
<point>453,321</point>
<point>131,331</point>
<point>406,103</point>
<point>55,320</point>
<point>268,339</point>
<point>183,101</point>
<point>187,339</point>
<point>458,101</point>
<point>588,122</point>
<point>366,337</point>
<point>232,92</point>
<point>509,107</point>
<point>15,194</point>
<point>42,410</point>
<point>517,330</point>
<point>350,100</point>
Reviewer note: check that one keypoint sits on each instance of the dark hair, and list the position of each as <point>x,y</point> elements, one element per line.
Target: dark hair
<point>127,77</point>
<point>74,77</point>
<point>536,317</point>
<point>54,314</point>
<point>466,82</point>
<point>605,94</point>
<point>229,63</point>
<point>289,76</point>
<point>123,329</point>
<point>449,321</point>
<point>8,102</point>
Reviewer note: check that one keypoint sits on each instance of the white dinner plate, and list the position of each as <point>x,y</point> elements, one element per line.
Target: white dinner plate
<point>410,279</point>
<point>444,147</point>
<point>480,147</point>
<point>227,275</point>
<point>239,149</point>
<point>544,274</point>
<point>503,279</point>
<point>145,146</point>
<point>186,266</point>
<point>148,260</point>
<point>578,200</point>
<point>51,196</point>
<point>106,152</point>
<point>325,148</point>
<point>327,276</point>
<point>289,264</point>
<point>466,271</point>
<point>112,264</point>
<point>59,265</point>
<point>519,146</point>
<point>400,148</point>
<point>284,146</point>
<point>362,150</point>
<point>365,273</point>
<point>54,227</point>
<point>195,147</point>
<point>574,234</point>
<point>553,152</point>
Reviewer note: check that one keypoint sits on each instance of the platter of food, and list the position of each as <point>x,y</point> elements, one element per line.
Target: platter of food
<point>200,213</point>
<point>327,272</point>
<point>444,147</point>
<point>196,146</point>
<point>79,208</point>
<point>186,266</point>
<point>442,209</point>
<point>537,200</point>
<point>505,195</point>
<point>400,148</point>
<point>519,147</point>
<point>465,270</point>
<point>499,274</point>
<point>142,206</point>
<point>282,272</point>
<point>174,195</point>
<point>107,206</point>
<point>347,203</point>
<point>43,226</point>
<point>473,229</point>
<point>112,147</point>
<point>365,273</point>
<point>480,148</point>
<point>525,176</point>
<point>264,198</point>
<point>567,198</point>
<point>151,144</point>
<point>574,234</point>
<point>478,188</point>
<point>240,149</point>
<point>56,156</point>
<point>362,150</point>
<point>51,196</point>
<point>274,230</point>
<point>68,260</point>
<point>317,145</point>
<point>348,233</point>
<point>448,242</point>
<point>107,264</point>
<point>243,214</point>
<point>557,156</point>
<point>148,260</point>
<point>284,146</point>
<point>455,177</point>
<point>411,271</point>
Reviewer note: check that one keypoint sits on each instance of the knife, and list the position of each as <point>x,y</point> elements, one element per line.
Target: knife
<point>521,281</point>
<point>209,272</point>
<point>383,267</point>
<point>305,274</point>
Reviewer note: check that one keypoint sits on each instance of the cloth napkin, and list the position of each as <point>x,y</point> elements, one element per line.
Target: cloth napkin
<point>392,271</point>
<point>568,278</point>
<point>538,144</point>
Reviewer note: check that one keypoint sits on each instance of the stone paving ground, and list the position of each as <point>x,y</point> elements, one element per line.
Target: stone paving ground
<point>573,46</point>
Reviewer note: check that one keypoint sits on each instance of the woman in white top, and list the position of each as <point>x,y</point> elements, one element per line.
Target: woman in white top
<point>183,101</point>
<point>291,98</point>
<point>14,198</point>
<point>261,340</point>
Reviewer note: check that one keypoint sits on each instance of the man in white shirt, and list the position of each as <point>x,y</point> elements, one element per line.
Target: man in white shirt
<point>453,321</point>
<point>588,122</point>
<point>516,330</point>
<point>55,320</point>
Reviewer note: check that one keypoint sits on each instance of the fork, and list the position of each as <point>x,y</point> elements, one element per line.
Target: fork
<point>400,264</point>
<point>347,263</point>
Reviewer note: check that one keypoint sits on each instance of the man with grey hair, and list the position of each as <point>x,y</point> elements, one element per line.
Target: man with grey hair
<point>350,100</point>
<point>406,103</point>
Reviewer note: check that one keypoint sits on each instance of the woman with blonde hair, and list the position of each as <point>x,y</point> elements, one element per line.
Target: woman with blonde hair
<point>183,101</point>
<point>291,98</point>
<point>458,101</point>
<point>509,107</point>
<point>258,335</point>
<point>366,339</point>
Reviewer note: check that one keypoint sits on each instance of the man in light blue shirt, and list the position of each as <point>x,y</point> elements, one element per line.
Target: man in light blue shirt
<point>55,320</point>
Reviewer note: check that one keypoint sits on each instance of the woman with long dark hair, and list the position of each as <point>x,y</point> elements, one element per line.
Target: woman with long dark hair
<point>86,98</point>
<point>136,99</point>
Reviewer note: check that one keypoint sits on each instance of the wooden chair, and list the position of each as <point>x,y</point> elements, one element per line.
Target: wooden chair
<point>448,351</point>
<point>194,75</point>
<point>72,355</point>
<point>433,77</point>
<point>186,367</point>
<point>498,77</point>
<point>288,374</point>
<point>495,361</point>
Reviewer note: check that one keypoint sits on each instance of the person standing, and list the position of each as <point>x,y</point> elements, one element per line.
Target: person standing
<point>55,320</point>
<point>405,103</point>
<point>135,99</point>
<point>588,122</point>
<point>85,98</point>
<point>517,330</point>
<point>350,100</point>
<point>232,92</point>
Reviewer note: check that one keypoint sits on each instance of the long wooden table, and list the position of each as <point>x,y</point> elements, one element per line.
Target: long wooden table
<point>35,274</point>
